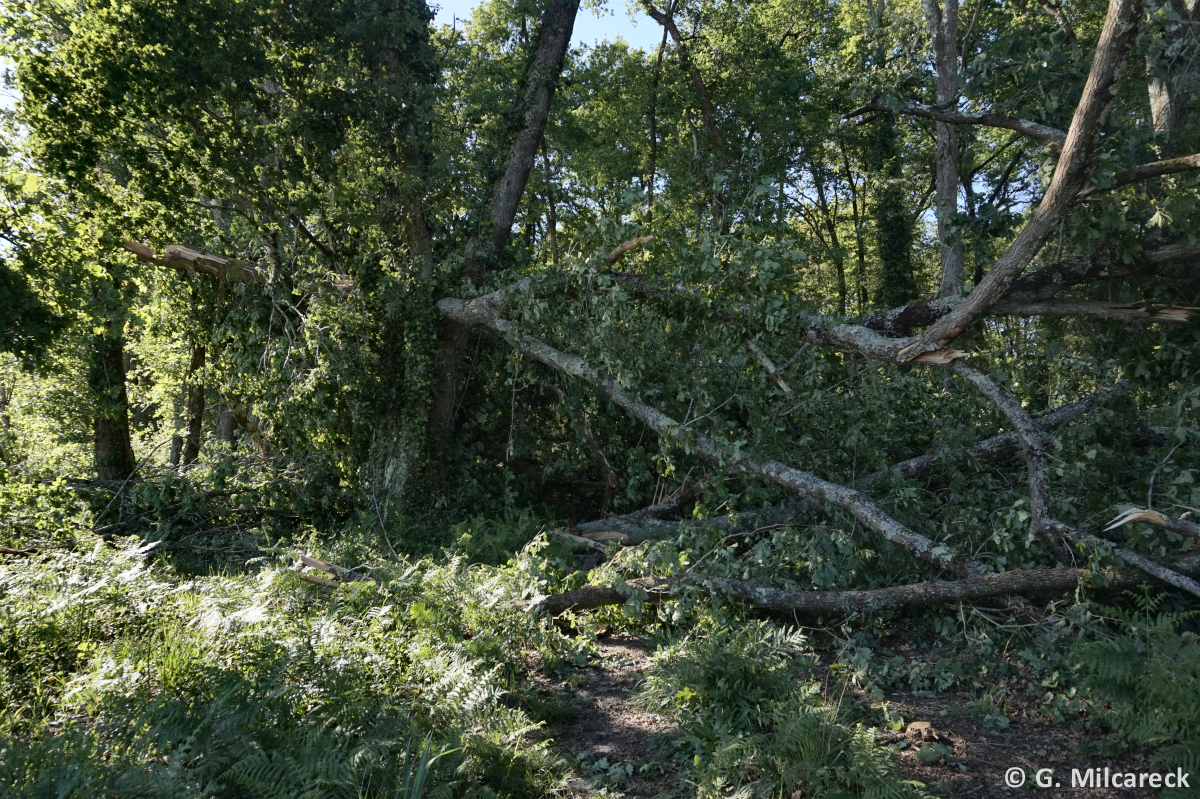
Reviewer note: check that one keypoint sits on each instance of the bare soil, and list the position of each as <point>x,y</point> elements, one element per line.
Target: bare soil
<point>979,757</point>
<point>612,744</point>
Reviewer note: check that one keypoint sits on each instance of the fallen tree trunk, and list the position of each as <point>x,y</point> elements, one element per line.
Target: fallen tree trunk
<point>486,311</point>
<point>811,604</point>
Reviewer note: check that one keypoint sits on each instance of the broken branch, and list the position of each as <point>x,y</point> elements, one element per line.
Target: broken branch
<point>860,505</point>
<point>793,603</point>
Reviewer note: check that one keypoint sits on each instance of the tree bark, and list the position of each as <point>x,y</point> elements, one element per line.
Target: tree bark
<point>194,409</point>
<point>112,446</point>
<point>1173,69</point>
<point>943,28</point>
<point>227,426</point>
<point>813,604</point>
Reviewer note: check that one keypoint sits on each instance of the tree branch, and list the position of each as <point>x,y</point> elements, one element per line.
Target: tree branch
<point>667,20</point>
<point>1032,129</point>
<point>1005,445</point>
<point>1070,176</point>
<point>1042,523</point>
<point>186,259</point>
<point>481,311</point>
<point>1150,516</point>
<point>1143,172</point>
<point>811,604</point>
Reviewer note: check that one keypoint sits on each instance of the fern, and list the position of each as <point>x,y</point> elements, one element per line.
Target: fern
<point>756,726</point>
<point>1142,674</point>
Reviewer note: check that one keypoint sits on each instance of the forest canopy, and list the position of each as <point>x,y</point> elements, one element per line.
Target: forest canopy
<point>354,369</point>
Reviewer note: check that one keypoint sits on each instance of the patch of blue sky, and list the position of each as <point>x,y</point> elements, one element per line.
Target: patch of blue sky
<point>594,24</point>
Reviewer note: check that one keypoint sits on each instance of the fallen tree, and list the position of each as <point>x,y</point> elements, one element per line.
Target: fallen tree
<point>812,604</point>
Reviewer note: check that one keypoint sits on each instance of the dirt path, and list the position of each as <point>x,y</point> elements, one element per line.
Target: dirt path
<point>618,749</point>
<point>611,743</point>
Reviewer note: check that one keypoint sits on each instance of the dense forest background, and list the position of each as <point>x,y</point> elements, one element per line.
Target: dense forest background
<point>360,377</point>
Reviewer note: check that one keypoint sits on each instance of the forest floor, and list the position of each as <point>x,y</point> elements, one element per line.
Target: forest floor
<point>975,759</point>
<point>617,748</point>
<point>614,746</point>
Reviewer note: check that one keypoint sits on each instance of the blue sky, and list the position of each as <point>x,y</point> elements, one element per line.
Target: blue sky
<point>610,22</point>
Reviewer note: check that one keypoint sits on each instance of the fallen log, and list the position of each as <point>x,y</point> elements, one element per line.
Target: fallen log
<point>340,571</point>
<point>811,604</point>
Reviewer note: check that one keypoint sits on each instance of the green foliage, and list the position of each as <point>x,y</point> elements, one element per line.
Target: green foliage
<point>347,153</point>
<point>117,676</point>
<point>757,722</point>
<point>1141,672</point>
<point>893,221</point>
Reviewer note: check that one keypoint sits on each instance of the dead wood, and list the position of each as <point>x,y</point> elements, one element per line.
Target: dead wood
<point>317,579</point>
<point>483,311</point>
<point>793,603</point>
<point>341,571</point>
<point>1150,516</point>
<point>639,524</point>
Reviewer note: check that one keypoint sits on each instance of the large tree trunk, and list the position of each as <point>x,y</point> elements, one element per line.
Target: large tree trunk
<point>545,68</point>
<point>194,408</point>
<point>943,28</point>
<point>893,222</point>
<point>113,449</point>
<point>1173,70</point>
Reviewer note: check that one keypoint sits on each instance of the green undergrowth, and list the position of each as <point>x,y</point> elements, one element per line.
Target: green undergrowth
<point>119,678</point>
<point>756,720</point>
<point>124,675</point>
<point>1145,677</point>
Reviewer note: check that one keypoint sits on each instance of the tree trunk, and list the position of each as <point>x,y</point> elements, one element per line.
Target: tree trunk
<point>893,222</point>
<point>943,28</point>
<point>835,246</point>
<point>1172,69</point>
<point>662,46</point>
<point>113,449</point>
<point>551,215</point>
<point>227,427</point>
<point>194,408</point>
<point>545,68</point>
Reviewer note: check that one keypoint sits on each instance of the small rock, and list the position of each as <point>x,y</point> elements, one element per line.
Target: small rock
<point>923,729</point>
